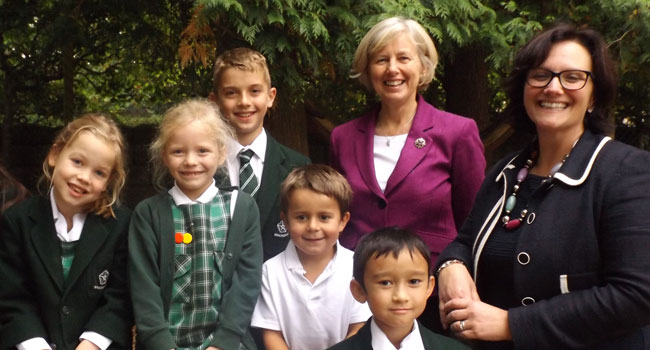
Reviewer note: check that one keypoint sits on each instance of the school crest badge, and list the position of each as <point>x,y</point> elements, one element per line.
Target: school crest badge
<point>282,230</point>
<point>102,280</point>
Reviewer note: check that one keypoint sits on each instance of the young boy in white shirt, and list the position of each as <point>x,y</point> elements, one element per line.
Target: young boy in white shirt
<point>305,302</point>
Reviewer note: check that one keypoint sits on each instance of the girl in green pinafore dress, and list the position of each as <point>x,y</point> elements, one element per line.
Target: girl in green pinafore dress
<point>195,253</point>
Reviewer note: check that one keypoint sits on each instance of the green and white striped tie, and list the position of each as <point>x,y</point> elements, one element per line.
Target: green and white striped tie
<point>247,180</point>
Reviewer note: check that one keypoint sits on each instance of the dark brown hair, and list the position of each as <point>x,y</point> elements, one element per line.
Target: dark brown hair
<point>536,51</point>
<point>11,190</point>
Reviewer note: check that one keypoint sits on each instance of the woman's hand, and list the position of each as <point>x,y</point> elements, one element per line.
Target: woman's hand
<point>86,345</point>
<point>454,282</point>
<point>472,319</point>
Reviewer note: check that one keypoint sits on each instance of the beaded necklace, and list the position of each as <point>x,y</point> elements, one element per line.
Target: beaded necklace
<point>511,224</point>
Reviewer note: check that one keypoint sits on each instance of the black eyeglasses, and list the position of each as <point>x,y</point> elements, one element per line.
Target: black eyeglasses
<point>569,79</point>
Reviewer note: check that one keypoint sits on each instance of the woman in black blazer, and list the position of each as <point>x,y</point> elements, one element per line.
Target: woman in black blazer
<point>556,251</point>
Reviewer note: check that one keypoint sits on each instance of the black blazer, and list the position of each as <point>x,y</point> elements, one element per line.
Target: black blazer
<point>278,163</point>
<point>35,301</point>
<point>432,341</point>
<point>582,266</point>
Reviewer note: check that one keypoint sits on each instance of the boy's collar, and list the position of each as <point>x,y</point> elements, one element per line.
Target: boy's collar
<point>293,261</point>
<point>258,146</point>
<point>413,341</point>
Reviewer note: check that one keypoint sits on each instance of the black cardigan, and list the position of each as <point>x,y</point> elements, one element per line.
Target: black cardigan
<point>583,257</point>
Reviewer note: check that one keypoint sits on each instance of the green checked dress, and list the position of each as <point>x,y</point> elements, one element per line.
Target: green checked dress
<point>196,293</point>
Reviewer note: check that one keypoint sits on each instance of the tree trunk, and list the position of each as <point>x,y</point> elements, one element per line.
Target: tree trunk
<point>287,122</point>
<point>466,84</point>
<point>9,111</point>
<point>68,82</point>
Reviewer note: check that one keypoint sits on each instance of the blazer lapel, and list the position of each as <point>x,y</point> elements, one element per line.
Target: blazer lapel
<point>411,155</point>
<point>363,149</point>
<point>92,239</point>
<point>46,244</point>
<point>271,178</point>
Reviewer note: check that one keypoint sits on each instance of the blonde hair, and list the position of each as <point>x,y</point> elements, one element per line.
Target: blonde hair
<point>319,178</point>
<point>103,127</point>
<point>381,34</point>
<point>184,113</point>
<point>240,58</point>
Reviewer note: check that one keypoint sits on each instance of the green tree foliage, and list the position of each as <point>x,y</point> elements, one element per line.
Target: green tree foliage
<point>135,58</point>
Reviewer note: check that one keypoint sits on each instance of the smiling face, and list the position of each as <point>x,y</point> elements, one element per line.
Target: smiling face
<point>192,157</point>
<point>81,172</point>
<point>553,108</point>
<point>244,97</point>
<point>314,222</point>
<point>396,291</point>
<point>394,71</point>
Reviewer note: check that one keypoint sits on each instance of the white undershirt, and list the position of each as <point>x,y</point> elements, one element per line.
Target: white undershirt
<point>386,152</point>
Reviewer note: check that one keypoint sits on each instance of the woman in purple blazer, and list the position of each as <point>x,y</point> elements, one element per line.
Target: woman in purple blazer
<point>409,164</point>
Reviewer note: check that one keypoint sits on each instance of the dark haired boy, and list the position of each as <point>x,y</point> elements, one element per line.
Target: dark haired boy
<point>392,272</point>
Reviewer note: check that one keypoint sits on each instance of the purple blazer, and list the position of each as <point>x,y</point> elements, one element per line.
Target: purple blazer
<point>432,188</point>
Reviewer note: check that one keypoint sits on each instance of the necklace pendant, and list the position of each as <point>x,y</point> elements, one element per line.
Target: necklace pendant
<point>513,224</point>
<point>510,203</point>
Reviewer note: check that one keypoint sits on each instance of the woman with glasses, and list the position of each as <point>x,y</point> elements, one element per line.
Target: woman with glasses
<point>555,253</point>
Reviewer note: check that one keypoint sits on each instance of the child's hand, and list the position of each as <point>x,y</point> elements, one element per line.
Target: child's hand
<point>86,345</point>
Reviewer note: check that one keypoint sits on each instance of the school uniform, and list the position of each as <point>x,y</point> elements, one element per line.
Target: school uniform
<point>309,315</point>
<point>36,301</point>
<point>363,340</point>
<point>154,272</point>
<point>278,162</point>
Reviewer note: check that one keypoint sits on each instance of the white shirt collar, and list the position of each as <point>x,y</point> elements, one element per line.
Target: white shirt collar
<point>61,226</point>
<point>180,198</point>
<point>293,261</point>
<point>413,341</point>
<point>258,146</point>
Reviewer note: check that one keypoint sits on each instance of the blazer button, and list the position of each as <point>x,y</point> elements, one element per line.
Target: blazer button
<point>527,301</point>
<point>229,256</point>
<point>381,203</point>
<point>523,258</point>
<point>65,310</point>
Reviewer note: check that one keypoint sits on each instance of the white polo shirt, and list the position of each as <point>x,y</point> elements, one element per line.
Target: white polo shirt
<point>310,316</point>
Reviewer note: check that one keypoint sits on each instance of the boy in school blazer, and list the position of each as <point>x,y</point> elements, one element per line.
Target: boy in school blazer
<point>392,273</point>
<point>242,89</point>
<point>93,298</point>
<point>363,340</point>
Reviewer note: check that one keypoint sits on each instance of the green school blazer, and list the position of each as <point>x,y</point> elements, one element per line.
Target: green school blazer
<point>35,301</point>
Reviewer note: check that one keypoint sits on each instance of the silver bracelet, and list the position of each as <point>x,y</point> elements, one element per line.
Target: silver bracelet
<point>447,263</point>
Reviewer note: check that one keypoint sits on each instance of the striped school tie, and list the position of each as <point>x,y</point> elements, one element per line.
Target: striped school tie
<point>247,180</point>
